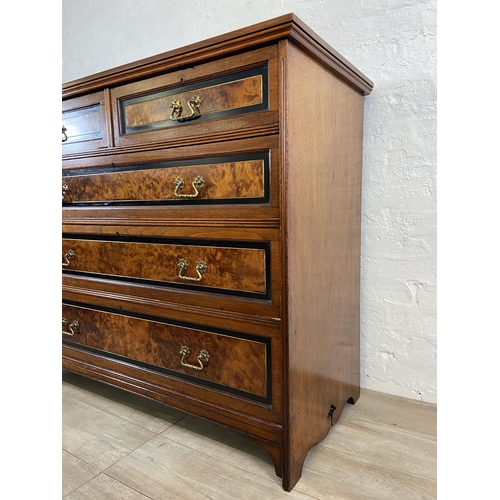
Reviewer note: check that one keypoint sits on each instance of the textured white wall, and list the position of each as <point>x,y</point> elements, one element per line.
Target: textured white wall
<point>394,43</point>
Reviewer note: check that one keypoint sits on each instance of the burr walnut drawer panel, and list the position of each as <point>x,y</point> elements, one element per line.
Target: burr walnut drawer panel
<point>231,179</point>
<point>239,269</point>
<point>235,362</point>
<point>84,123</point>
<point>214,97</point>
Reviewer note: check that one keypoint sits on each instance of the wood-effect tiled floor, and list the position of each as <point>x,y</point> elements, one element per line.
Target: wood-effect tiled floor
<point>118,446</point>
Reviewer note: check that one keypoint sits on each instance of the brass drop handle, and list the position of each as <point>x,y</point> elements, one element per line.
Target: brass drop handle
<point>65,138</point>
<point>69,256</point>
<point>65,191</point>
<point>73,327</point>
<point>201,267</point>
<point>194,105</point>
<point>198,183</point>
<point>203,357</point>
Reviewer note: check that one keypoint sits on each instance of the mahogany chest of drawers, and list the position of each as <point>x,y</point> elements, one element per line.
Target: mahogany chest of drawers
<point>211,232</point>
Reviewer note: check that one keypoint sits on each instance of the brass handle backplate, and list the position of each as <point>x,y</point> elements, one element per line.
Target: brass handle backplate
<point>194,105</point>
<point>198,183</point>
<point>65,137</point>
<point>201,267</point>
<point>203,357</point>
<point>69,256</point>
<point>73,327</point>
<point>65,191</point>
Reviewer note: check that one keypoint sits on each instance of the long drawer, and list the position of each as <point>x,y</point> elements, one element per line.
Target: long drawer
<point>233,362</point>
<point>234,181</point>
<point>231,179</point>
<point>214,267</point>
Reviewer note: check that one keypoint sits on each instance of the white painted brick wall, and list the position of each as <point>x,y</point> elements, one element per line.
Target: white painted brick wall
<point>394,43</point>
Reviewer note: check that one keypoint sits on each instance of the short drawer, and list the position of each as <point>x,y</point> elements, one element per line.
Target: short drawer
<point>232,179</point>
<point>84,124</point>
<point>237,268</point>
<point>234,362</point>
<point>211,98</point>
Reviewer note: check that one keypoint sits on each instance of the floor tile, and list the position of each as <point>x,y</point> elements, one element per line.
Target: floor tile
<point>138,410</point>
<point>75,473</point>
<point>165,469</point>
<point>105,487</point>
<point>385,445</point>
<point>382,448</point>
<point>404,413</point>
<point>97,437</point>
<point>223,444</point>
<point>332,475</point>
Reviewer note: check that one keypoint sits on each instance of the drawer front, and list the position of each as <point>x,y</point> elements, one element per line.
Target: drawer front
<point>241,92</point>
<point>186,103</point>
<point>234,362</point>
<point>235,179</point>
<point>240,270</point>
<point>83,124</point>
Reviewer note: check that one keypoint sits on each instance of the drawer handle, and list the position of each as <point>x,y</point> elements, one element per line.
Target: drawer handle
<point>198,183</point>
<point>194,105</point>
<point>69,256</point>
<point>203,357</point>
<point>201,267</point>
<point>65,191</point>
<point>65,138</point>
<point>73,327</point>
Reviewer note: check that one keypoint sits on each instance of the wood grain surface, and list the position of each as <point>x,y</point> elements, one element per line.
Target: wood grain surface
<point>242,269</point>
<point>322,215</point>
<point>232,95</point>
<point>221,181</point>
<point>152,116</point>
<point>233,362</point>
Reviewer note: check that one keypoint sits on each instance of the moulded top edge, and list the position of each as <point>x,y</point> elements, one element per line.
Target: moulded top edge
<point>288,26</point>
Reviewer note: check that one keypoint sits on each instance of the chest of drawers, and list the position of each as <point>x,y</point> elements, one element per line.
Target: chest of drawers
<point>211,232</point>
